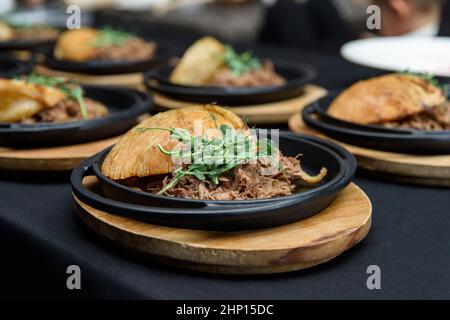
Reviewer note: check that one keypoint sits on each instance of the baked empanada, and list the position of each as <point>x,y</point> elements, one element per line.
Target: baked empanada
<point>76,45</point>
<point>385,99</point>
<point>137,153</point>
<point>20,100</point>
<point>6,32</point>
<point>199,62</point>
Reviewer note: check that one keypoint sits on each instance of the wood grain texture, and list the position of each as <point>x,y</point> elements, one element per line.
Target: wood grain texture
<point>59,158</point>
<point>131,80</point>
<point>420,169</point>
<point>275,250</point>
<point>275,112</point>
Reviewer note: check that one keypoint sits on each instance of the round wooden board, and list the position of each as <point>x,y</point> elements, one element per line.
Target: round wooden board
<point>131,80</point>
<point>59,158</point>
<point>287,248</point>
<point>269,113</point>
<point>425,170</point>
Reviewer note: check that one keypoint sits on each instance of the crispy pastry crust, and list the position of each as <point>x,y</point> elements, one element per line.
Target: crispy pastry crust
<point>137,153</point>
<point>385,99</point>
<point>20,100</point>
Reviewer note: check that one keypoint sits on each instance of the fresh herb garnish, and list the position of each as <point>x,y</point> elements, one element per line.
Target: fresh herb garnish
<point>208,159</point>
<point>71,91</point>
<point>240,63</point>
<point>431,79</point>
<point>425,76</point>
<point>109,36</point>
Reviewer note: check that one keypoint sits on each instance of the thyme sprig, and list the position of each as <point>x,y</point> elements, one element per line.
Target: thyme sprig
<point>208,159</point>
<point>71,90</point>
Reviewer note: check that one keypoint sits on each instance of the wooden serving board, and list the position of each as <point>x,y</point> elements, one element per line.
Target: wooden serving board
<point>130,80</point>
<point>269,113</point>
<point>431,170</point>
<point>287,248</point>
<point>60,158</point>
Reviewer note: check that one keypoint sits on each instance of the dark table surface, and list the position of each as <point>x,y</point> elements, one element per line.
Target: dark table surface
<point>41,237</point>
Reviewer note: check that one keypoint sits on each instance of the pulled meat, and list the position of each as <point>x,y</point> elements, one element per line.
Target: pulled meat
<point>266,76</point>
<point>242,183</point>
<point>38,32</point>
<point>68,110</point>
<point>133,49</point>
<point>432,119</point>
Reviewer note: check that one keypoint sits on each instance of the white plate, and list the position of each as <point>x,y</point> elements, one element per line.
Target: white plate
<point>416,54</point>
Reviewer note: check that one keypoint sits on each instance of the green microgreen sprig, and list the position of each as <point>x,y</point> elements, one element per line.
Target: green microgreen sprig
<point>109,36</point>
<point>431,79</point>
<point>211,158</point>
<point>240,63</point>
<point>71,91</point>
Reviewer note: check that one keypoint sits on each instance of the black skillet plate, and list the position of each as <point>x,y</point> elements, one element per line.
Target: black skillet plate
<point>23,45</point>
<point>10,67</point>
<point>296,74</point>
<point>372,136</point>
<point>124,106</point>
<point>226,215</point>
<point>97,67</point>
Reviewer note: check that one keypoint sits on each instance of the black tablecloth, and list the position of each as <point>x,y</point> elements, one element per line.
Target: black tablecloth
<point>41,237</point>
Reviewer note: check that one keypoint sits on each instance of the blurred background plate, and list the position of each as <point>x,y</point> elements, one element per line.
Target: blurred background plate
<point>416,54</point>
<point>124,105</point>
<point>10,67</point>
<point>296,74</point>
<point>97,67</point>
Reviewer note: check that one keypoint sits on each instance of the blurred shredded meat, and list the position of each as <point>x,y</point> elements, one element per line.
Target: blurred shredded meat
<point>69,110</point>
<point>242,183</point>
<point>432,119</point>
<point>264,77</point>
<point>38,32</point>
<point>133,49</point>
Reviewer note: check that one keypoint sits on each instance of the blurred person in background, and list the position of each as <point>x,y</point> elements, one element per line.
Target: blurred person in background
<point>328,24</point>
<point>309,24</point>
<point>410,17</point>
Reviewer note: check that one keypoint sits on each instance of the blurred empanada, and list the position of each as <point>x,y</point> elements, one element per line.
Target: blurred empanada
<point>200,61</point>
<point>384,99</point>
<point>21,100</point>
<point>76,45</point>
<point>6,32</point>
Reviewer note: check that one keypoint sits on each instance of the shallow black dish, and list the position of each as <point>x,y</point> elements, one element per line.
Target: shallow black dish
<point>97,67</point>
<point>10,67</point>
<point>124,106</point>
<point>25,45</point>
<point>225,215</point>
<point>296,75</point>
<point>372,136</point>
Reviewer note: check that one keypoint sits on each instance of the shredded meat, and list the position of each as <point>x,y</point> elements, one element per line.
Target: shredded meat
<point>264,77</point>
<point>43,33</point>
<point>133,49</point>
<point>242,183</point>
<point>69,110</point>
<point>437,118</point>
